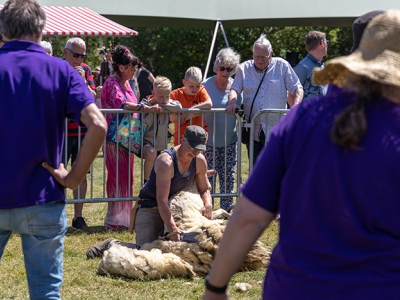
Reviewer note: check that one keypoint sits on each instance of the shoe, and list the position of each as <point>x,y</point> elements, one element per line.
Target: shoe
<point>98,249</point>
<point>79,223</point>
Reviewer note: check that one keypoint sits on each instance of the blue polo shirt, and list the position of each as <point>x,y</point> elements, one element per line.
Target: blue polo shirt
<point>304,71</point>
<point>37,93</point>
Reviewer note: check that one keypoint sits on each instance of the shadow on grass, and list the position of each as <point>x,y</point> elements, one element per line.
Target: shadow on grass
<point>94,230</point>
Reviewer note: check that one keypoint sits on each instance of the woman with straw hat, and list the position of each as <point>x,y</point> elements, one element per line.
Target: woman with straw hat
<point>332,169</point>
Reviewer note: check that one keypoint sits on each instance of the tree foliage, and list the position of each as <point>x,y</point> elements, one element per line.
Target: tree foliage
<point>170,51</point>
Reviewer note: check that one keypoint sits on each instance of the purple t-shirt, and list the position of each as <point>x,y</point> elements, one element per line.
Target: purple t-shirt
<point>340,209</point>
<point>37,93</point>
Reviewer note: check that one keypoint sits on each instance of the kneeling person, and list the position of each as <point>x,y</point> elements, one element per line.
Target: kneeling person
<point>173,170</point>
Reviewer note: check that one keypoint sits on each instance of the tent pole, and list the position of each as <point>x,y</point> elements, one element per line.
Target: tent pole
<point>211,49</point>
<point>223,33</point>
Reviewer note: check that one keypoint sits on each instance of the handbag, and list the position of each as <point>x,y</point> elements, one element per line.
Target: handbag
<point>125,131</point>
<point>246,130</point>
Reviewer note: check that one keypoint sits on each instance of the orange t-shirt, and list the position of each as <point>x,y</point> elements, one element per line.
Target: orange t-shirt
<point>187,102</point>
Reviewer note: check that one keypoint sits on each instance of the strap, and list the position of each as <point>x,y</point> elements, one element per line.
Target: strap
<point>251,109</point>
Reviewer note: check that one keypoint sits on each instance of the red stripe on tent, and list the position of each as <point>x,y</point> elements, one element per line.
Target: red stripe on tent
<point>62,20</point>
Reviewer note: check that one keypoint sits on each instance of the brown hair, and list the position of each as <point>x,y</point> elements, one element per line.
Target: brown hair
<point>313,39</point>
<point>350,125</point>
<point>122,56</point>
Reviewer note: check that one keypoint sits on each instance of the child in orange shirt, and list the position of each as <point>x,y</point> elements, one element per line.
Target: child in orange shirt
<point>191,95</point>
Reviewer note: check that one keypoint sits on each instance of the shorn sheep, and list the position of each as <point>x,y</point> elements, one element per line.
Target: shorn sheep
<point>162,258</point>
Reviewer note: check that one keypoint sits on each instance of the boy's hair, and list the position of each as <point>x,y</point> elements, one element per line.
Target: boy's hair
<point>193,74</point>
<point>162,83</point>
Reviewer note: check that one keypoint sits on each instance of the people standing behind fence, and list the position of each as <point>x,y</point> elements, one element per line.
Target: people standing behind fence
<point>47,47</point>
<point>221,153</point>
<point>191,95</point>
<point>348,143</point>
<point>117,93</point>
<point>38,92</point>
<point>145,80</point>
<point>262,93</point>
<point>317,48</point>
<point>156,138</point>
<point>75,54</point>
<point>106,67</point>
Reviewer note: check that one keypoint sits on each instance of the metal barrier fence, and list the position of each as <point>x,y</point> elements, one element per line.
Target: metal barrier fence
<point>98,175</point>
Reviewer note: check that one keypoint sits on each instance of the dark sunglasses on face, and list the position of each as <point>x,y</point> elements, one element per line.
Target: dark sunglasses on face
<point>229,69</point>
<point>77,55</point>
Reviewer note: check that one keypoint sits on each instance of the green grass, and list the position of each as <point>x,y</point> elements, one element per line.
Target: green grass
<point>80,278</point>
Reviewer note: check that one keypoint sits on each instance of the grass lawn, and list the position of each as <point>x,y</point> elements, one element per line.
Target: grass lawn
<point>80,278</point>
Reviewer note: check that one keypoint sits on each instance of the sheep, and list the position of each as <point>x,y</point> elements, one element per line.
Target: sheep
<point>162,258</point>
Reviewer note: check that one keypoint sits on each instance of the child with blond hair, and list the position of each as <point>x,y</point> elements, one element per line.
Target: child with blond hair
<point>191,95</point>
<point>156,137</point>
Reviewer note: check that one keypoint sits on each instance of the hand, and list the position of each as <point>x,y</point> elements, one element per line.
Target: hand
<point>81,72</point>
<point>59,174</point>
<point>207,211</point>
<point>153,108</point>
<point>184,118</point>
<point>231,109</point>
<point>176,235</point>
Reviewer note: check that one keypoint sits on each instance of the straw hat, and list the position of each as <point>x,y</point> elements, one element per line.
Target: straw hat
<point>377,58</point>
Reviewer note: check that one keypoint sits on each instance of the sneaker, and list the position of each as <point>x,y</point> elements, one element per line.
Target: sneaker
<point>79,223</point>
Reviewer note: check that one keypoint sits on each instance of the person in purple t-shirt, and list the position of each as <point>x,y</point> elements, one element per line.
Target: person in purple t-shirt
<point>38,92</point>
<point>332,170</point>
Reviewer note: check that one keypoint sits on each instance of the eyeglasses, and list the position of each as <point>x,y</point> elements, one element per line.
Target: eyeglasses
<point>77,55</point>
<point>229,69</point>
<point>133,67</point>
<point>263,57</point>
<point>326,42</point>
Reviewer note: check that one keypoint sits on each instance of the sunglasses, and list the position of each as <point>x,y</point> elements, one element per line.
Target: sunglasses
<point>77,55</point>
<point>227,69</point>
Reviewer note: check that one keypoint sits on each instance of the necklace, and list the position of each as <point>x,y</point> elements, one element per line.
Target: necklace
<point>223,87</point>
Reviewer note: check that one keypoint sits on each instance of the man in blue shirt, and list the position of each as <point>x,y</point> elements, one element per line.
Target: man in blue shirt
<point>38,92</point>
<point>317,47</point>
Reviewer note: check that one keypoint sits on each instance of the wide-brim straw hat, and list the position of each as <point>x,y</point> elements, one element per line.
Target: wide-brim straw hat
<point>377,58</point>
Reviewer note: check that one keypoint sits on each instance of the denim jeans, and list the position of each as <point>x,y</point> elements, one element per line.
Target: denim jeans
<point>42,229</point>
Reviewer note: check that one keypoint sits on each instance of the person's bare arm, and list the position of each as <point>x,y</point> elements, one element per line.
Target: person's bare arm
<point>96,132</point>
<point>296,97</point>
<point>207,104</point>
<point>232,106</point>
<point>244,228</point>
<point>151,78</point>
<point>202,185</point>
<point>164,169</point>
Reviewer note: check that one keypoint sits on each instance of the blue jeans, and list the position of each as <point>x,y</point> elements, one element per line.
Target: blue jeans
<point>42,229</point>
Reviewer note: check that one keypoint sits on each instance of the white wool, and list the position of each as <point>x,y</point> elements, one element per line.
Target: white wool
<point>161,259</point>
<point>153,264</point>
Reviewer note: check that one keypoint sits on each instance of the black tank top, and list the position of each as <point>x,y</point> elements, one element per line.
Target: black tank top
<point>178,181</point>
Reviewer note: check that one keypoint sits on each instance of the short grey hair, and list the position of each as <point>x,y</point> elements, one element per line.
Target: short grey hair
<point>76,41</point>
<point>20,18</point>
<point>47,46</point>
<point>227,57</point>
<point>263,42</point>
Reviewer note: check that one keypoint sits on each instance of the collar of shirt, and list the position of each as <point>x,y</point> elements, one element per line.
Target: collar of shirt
<point>320,63</point>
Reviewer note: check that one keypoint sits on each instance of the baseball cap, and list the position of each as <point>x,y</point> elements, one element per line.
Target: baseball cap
<point>196,137</point>
<point>359,25</point>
